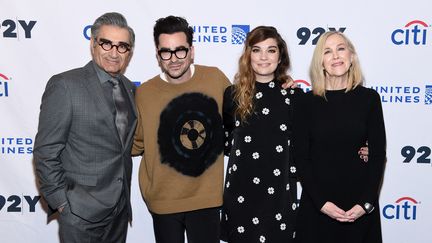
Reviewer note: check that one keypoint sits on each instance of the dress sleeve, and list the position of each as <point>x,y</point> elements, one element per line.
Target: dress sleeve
<point>302,149</point>
<point>228,118</point>
<point>377,150</point>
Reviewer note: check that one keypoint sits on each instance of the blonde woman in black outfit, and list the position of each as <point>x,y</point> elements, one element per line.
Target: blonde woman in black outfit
<point>339,202</point>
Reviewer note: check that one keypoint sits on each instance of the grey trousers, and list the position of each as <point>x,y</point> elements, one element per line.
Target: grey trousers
<point>112,229</point>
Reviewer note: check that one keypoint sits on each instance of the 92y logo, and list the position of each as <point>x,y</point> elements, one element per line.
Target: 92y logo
<point>15,203</point>
<point>423,154</point>
<point>11,28</point>
<point>304,34</point>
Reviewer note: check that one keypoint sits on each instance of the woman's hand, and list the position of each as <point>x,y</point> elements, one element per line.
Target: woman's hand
<point>355,212</point>
<point>334,212</point>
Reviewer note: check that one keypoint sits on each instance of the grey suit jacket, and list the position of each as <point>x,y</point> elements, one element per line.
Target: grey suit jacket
<point>78,154</point>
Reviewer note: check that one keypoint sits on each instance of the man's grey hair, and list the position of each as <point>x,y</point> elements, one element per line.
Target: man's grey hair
<point>114,19</point>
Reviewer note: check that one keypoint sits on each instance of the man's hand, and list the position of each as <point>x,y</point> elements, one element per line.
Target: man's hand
<point>60,209</point>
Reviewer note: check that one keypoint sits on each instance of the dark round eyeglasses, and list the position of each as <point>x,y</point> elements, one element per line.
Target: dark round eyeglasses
<point>107,45</point>
<point>180,53</point>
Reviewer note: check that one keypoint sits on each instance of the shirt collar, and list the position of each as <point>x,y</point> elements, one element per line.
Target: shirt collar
<point>101,74</point>
<point>163,75</point>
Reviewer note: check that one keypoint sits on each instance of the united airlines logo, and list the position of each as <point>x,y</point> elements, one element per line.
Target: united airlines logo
<point>428,95</point>
<point>4,85</point>
<point>16,145</point>
<point>413,33</point>
<point>239,33</point>
<point>234,34</point>
<point>405,208</point>
<point>405,94</point>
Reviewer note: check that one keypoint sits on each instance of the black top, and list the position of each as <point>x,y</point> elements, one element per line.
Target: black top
<point>327,137</point>
<point>260,189</point>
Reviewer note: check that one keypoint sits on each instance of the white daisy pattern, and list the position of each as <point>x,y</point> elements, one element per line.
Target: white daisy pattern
<point>279,148</point>
<point>293,169</point>
<point>255,220</point>
<point>278,216</point>
<point>261,157</point>
<point>270,190</point>
<point>258,95</point>
<point>241,229</point>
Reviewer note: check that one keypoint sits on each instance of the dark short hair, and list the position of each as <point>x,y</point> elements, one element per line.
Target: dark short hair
<point>114,19</point>
<point>170,25</point>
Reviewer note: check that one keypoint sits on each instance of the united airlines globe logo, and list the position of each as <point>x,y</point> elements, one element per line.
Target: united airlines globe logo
<point>239,33</point>
<point>428,95</point>
<point>220,34</point>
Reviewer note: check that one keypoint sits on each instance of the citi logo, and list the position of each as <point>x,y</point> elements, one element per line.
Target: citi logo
<point>405,208</point>
<point>4,86</point>
<point>413,33</point>
<point>304,85</point>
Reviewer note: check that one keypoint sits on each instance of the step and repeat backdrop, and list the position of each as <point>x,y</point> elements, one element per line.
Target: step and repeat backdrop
<point>393,38</point>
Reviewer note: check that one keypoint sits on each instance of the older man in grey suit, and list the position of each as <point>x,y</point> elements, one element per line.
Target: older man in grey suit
<point>83,145</point>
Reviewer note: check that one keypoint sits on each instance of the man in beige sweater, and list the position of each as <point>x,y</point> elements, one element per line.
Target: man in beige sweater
<point>180,137</point>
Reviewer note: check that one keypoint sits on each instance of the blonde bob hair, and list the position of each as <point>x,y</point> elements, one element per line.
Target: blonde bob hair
<point>318,74</point>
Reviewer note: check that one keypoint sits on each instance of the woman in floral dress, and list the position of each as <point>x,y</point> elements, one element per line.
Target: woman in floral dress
<point>260,188</point>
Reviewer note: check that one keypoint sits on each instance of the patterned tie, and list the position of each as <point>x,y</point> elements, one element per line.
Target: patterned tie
<point>121,117</point>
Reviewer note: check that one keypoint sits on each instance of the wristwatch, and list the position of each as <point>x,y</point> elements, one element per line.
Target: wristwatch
<point>368,208</point>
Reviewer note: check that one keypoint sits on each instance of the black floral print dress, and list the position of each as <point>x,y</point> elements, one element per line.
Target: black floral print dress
<point>260,194</point>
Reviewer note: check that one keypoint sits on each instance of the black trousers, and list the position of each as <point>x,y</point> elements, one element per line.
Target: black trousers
<point>201,226</point>
<point>112,229</point>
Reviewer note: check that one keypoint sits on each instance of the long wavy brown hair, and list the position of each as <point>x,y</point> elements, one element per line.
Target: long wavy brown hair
<point>244,80</point>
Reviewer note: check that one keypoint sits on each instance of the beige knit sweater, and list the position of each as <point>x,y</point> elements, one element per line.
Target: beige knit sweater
<point>178,137</point>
